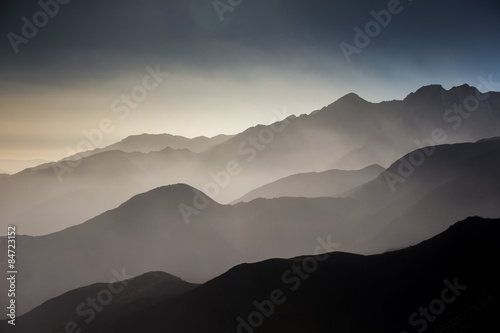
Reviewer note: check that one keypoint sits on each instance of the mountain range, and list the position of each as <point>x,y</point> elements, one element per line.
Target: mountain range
<point>150,231</point>
<point>446,283</point>
<point>146,143</point>
<point>350,133</point>
<point>358,177</point>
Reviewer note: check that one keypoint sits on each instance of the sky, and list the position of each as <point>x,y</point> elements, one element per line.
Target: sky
<point>208,67</point>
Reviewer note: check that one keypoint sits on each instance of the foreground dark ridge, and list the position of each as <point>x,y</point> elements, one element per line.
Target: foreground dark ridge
<point>448,282</point>
<point>88,303</point>
<point>347,293</point>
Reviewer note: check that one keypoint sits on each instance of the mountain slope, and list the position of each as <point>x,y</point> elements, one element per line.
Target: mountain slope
<point>112,299</point>
<point>477,190</point>
<point>330,183</point>
<point>450,275</point>
<point>418,201</point>
<point>149,232</point>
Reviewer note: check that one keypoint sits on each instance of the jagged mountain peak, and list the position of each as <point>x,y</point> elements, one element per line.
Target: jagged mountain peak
<point>425,93</point>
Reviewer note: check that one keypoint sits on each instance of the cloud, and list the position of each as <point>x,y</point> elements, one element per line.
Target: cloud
<point>229,73</point>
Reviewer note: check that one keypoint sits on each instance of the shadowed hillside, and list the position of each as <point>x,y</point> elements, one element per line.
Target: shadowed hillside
<point>88,306</point>
<point>349,292</point>
<point>449,276</point>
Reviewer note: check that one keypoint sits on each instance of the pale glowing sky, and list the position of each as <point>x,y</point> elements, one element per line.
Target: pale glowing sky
<point>223,76</point>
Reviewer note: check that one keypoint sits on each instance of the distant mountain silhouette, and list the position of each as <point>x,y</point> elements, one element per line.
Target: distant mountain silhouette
<point>455,180</point>
<point>330,183</point>
<point>146,143</point>
<point>39,204</point>
<point>350,133</point>
<point>447,283</point>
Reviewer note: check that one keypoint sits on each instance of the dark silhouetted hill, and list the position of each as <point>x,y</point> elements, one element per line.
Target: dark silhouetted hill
<point>127,296</point>
<point>447,283</point>
<point>350,293</point>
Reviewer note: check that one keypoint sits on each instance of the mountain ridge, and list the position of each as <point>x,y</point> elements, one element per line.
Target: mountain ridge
<point>333,138</point>
<point>163,221</point>
<point>393,285</point>
<point>332,183</point>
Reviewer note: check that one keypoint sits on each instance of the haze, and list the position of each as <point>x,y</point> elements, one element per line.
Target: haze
<point>225,76</point>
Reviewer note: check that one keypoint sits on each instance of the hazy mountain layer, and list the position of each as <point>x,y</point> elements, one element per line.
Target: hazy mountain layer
<point>146,143</point>
<point>330,183</point>
<point>454,181</point>
<point>180,230</point>
<point>348,134</point>
<point>15,166</point>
